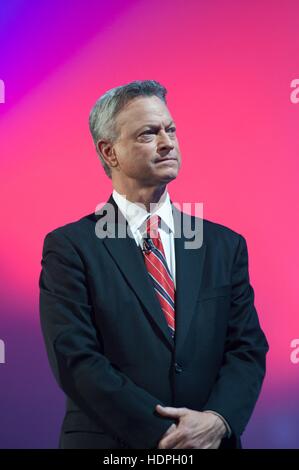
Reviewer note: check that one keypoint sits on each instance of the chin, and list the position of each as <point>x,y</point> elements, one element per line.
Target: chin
<point>167,177</point>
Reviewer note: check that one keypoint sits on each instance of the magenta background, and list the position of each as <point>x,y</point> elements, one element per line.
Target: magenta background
<point>228,66</point>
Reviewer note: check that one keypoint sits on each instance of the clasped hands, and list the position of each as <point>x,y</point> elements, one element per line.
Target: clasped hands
<point>195,429</point>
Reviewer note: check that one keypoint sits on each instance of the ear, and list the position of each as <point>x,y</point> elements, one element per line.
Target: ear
<point>107,150</point>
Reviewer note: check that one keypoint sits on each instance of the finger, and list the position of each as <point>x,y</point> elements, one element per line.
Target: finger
<point>170,442</point>
<point>170,430</point>
<point>180,445</point>
<point>216,444</point>
<point>171,411</point>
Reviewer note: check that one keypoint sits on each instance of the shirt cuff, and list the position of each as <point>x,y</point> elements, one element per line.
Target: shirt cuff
<point>228,429</point>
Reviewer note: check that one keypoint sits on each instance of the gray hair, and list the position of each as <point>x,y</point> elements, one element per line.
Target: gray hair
<point>103,113</point>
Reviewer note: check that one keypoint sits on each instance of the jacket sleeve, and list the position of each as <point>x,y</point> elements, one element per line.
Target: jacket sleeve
<point>240,378</point>
<point>73,346</point>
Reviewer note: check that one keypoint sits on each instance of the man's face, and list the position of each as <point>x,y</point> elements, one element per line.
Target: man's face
<point>147,148</point>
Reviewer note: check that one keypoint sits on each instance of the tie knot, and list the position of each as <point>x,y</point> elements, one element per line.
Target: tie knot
<point>152,225</point>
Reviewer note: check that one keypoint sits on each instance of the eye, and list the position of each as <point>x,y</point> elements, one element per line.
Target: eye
<point>150,132</point>
<point>147,135</point>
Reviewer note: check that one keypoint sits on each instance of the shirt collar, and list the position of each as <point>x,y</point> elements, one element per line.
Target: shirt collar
<point>136,214</point>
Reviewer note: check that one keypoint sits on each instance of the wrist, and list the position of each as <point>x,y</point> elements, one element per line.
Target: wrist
<point>220,425</point>
<point>221,428</point>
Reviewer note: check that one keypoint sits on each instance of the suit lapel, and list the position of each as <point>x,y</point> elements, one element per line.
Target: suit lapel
<point>189,269</point>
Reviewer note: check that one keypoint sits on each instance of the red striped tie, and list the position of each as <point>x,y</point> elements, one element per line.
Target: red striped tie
<point>158,270</point>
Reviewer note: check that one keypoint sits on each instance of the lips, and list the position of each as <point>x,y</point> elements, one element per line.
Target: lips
<point>160,160</point>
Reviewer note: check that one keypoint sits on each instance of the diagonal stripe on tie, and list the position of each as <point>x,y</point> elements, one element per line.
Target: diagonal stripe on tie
<point>168,281</point>
<point>160,288</point>
<point>162,259</point>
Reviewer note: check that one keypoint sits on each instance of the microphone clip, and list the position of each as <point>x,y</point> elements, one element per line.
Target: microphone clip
<point>147,245</point>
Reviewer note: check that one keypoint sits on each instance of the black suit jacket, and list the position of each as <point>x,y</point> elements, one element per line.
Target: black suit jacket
<point>109,345</point>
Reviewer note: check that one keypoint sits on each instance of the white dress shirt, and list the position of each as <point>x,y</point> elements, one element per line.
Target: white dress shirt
<point>136,214</point>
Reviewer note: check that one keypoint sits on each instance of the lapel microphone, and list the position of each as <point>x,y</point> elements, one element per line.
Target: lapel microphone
<point>147,245</point>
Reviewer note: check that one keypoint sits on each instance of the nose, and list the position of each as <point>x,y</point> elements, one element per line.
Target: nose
<point>165,144</point>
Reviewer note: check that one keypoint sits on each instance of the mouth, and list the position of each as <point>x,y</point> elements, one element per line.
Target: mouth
<point>166,160</point>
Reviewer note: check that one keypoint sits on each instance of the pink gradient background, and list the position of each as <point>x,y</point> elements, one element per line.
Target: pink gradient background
<point>227,66</point>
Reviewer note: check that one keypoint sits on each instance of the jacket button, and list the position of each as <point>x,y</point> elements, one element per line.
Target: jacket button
<point>178,368</point>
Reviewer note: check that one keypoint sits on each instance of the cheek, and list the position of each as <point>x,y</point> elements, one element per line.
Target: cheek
<point>143,154</point>
<point>135,160</point>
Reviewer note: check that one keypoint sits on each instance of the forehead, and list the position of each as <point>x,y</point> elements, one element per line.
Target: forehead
<point>142,110</point>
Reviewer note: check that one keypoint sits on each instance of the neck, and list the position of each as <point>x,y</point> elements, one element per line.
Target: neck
<point>145,196</point>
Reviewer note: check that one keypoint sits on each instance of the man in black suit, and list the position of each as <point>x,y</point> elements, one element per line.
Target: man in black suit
<point>132,378</point>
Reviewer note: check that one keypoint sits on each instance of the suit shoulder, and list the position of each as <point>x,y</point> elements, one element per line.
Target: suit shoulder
<point>218,229</point>
<point>75,229</point>
<point>218,234</point>
<point>212,231</point>
<point>223,238</point>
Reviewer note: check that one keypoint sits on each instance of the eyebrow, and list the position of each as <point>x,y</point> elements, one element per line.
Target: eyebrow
<point>153,126</point>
